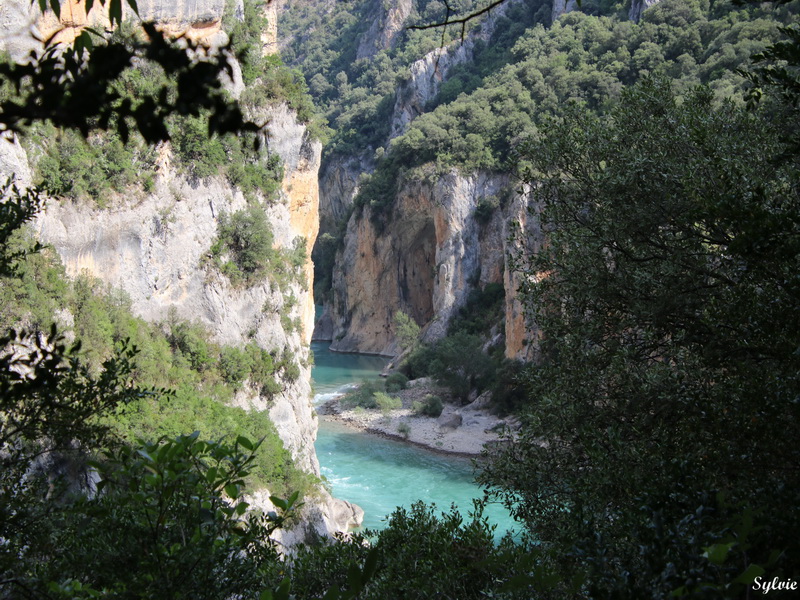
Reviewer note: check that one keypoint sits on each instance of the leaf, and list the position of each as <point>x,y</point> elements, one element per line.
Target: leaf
<point>750,574</point>
<point>115,12</point>
<point>680,592</point>
<point>55,6</point>
<point>354,577</point>
<point>332,594</point>
<point>211,474</point>
<point>282,593</point>
<point>371,564</point>
<point>279,502</point>
<point>244,443</point>
<point>717,553</point>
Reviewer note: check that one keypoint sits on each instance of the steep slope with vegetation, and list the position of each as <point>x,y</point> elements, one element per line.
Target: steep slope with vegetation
<point>204,234</point>
<point>507,86</point>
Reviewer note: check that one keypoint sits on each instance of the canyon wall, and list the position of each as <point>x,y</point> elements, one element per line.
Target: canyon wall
<point>428,252</point>
<point>388,19</point>
<point>424,258</point>
<point>155,247</point>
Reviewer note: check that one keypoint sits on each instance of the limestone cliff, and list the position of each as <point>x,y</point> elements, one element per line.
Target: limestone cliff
<point>154,247</point>
<point>638,7</point>
<point>339,179</point>
<point>561,7</point>
<point>198,20</point>
<point>433,252</point>
<point>427,74</point>
<point>426,262</point>
<point>269,37</point>
<point>338,185</point>
<point>386,23</point>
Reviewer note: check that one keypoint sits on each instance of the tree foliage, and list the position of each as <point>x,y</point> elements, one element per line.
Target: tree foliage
<point>54,87</point>
<point>167,520</point>
<point>406,330</point>
<point>487,108</point>
<point>668,382</point>
<point>453,557</point>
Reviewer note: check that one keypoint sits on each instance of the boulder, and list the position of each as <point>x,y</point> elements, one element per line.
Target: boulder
<point>450,421</point>
<point>482,402</point>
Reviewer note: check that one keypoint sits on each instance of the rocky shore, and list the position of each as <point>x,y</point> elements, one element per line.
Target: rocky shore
<point>461,430</point>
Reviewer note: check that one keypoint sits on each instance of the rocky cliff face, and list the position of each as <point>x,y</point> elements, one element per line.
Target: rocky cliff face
<point>338,185</point>
<point>387,23</point>
<point>198,20</point>
<point>153,246</point>
<point>269,38</point>
<point>428,73</point>
<point>433,252</point>
<point>638,7</point>
<point>426,261</point>
<point>340,176</point>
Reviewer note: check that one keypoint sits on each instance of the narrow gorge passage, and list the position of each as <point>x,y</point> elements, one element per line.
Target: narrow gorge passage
<point>380,474</point>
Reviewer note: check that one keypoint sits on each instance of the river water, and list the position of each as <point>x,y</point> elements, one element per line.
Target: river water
<point>380,474</point>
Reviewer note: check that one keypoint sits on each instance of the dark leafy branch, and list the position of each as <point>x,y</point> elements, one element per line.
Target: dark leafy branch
<point>460,21</point>
<point>75,90</point>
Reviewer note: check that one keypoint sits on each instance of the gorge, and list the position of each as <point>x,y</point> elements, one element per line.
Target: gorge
<point>566,229</point>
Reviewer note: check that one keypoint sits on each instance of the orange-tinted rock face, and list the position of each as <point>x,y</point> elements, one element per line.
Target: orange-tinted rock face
<point>521,335</point>
<point>302,189</point>
<point>197,20</point>
<point>72,20</point>
<point>269,37</point>
<point>382,271</point>
<point>424,261</point>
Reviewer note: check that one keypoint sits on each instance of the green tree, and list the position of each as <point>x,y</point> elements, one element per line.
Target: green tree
<point>667,296</point>
<point>406,330</point>
<point>458,361</point>
<point>453,557</point>
<point>167,520</point>
<point>246,238</point>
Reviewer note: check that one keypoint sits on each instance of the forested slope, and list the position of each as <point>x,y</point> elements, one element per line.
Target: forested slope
<point>414,122</point>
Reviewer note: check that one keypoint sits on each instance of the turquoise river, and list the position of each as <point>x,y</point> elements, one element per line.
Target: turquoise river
<point>380,474</point>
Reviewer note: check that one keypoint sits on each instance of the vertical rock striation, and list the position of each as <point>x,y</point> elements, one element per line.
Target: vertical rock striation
<point>638,7</point>
<point>387,23</point>
<point>425,262</point>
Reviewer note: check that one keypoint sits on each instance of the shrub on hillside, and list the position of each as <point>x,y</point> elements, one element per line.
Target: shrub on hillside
<point>429,406</point>
<point>396,382</point>
<point>406,330</point>
<point>363,396</point>
<point>404,429</point>
<point>386,402</point>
